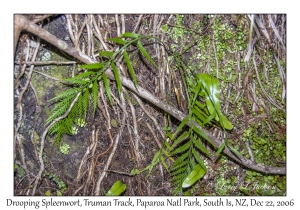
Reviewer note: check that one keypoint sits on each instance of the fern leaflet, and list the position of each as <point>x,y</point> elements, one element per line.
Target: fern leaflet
<point>95,95</point>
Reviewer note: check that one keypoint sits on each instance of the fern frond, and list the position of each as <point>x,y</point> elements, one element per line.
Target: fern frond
<point>95,95</point>
<point>117,40</point>
<point>177,167</point>
<point>198,117</point>
<point>130,35</point>
<point>164,164</point>
<point>106,54</point>
<point>68,124</point>
<point>203,135</point>
<point>144,52</point>
<point>59,128</point>
<point>92,66</point>
<point>180,160</point>
<point>196,93</point>
<point>221,148</point>
<point>198,144</point>
<point>181,149</point>
<point>180,170</point>
<point>79,106</point>
<point>180,139</point>
<point>177,180</point>
<point>117,77</point>
<point>85,102</point>
<point>107,87</point>
<point>198,158</point>
<point>71,91</point>
<point>200,105</point>
<point>130,68</point>
<point>168,146</point>
<point>54,128</point>
<point>181,125</point>
<point>60,108</point>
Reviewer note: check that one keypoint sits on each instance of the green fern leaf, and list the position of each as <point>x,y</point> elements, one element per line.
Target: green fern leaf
<point>194,176</point>
<point>177,180</point>
<point>199,117</point>
<point>209,118</point>
<point>117,40</point>
<point>60,108</point>
<point>95,95</point>
<point>59,133</point>
<point>168,146</point>
<point>164,164</point>
<point>198,158</point>
<point>180,139</point>
<point>77,81</point>
<point>54,128</point>
<point>200,146</point>
<point>106,54</point>
<point>179,160</point>
<point>181,125</point>
<point>192,163</point>
<point>181,149</point>
<point>79,106</point>
<point>200,105</point>
<point>220,148</point>
<point>107,87</point>
<point>203,135</point>
<point>177,167</point>
<point>154,161</point>
<point>117,189</point>
<point>144,52</point>
<point>196,93</point>
<point>130,68</point>
<point>85,102</point>
<point>92,66</point>
<point>71,91</point>
<point>130,35</point>
<point>117,77</point>
<point>211,87</point>
<point>179,171</point>
<point>170,135</point>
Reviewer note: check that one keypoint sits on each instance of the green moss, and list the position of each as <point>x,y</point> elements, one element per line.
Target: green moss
<point>36,138</point>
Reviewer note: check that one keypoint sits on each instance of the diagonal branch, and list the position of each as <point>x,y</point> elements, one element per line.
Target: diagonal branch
<point>33,28</point>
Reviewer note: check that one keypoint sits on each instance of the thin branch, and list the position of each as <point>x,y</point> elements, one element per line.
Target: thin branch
<point>150,116</point>
<point>97,33</point>
<point>135,131</point>
<point>216,57</point>
<point>29,26</point>
<point>271,100</point>
<point>138,23</point>
<point>53,78</point>
<point>44,63</point>
<point>118,25</point>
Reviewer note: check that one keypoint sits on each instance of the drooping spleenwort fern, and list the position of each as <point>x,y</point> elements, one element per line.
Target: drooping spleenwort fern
<point>188,166</point>
<point>86,85</point>
<point>188,144</point>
